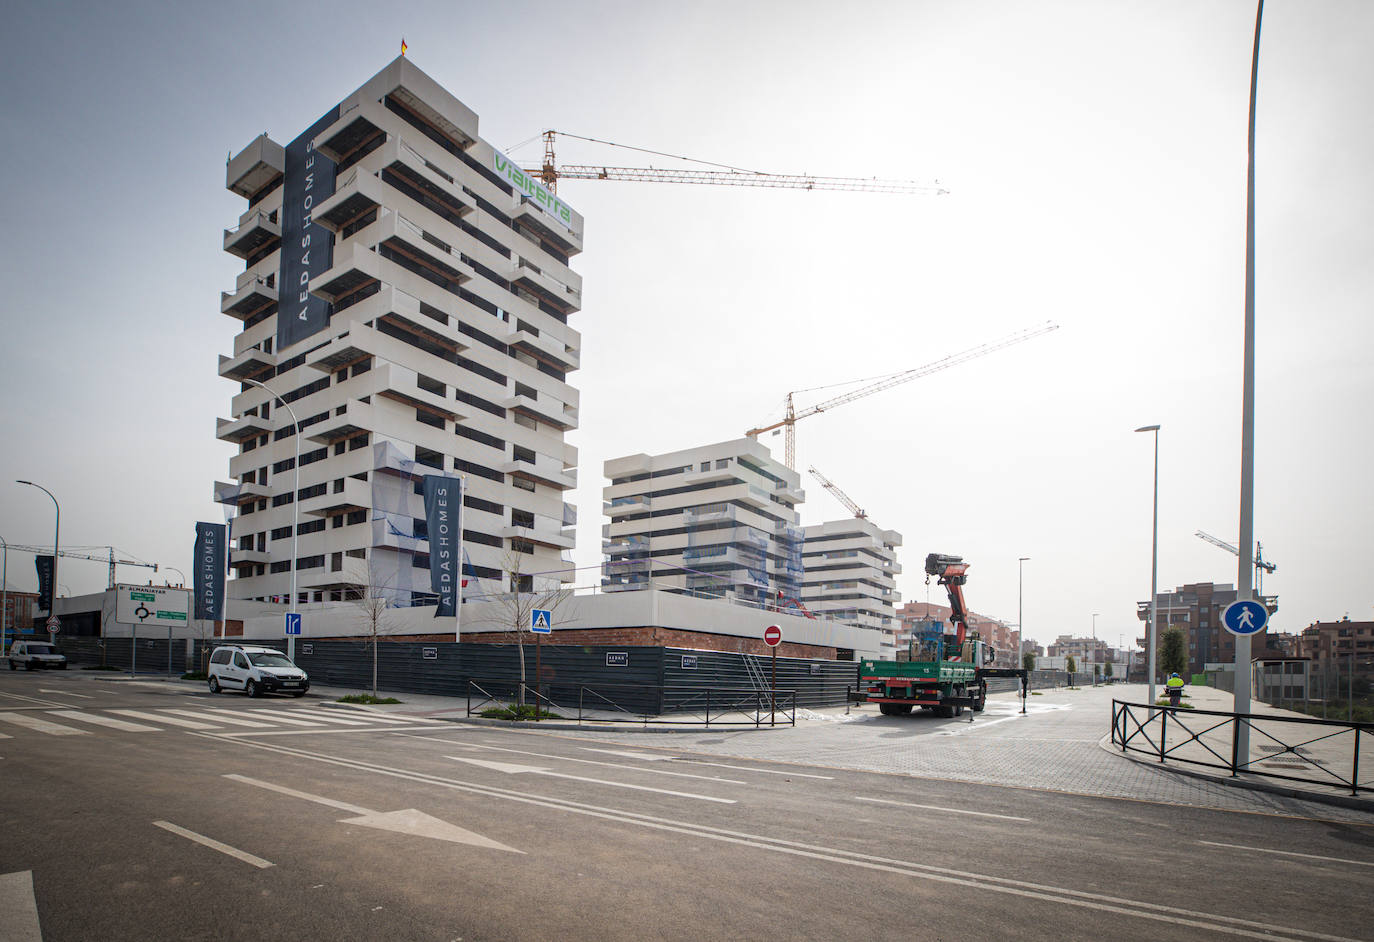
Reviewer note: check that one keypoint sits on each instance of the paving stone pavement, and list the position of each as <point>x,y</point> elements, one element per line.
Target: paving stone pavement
<point>1057,746</point>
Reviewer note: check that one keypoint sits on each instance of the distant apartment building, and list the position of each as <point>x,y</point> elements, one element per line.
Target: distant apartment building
<point>1197,608</point>
<point>1085,652</point>
<point>17,614</point>
<point>716,521</point>
<point>914,617</point>
<point>407,293</point>
<point>849,571</point>
<point>1340,649</point>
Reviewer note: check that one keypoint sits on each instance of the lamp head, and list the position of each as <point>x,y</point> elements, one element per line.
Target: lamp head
<point>1148,428</point>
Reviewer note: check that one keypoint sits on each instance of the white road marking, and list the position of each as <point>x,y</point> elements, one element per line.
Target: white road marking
<point>1290,853</point>
<point>214,845</point>
<point>408,821</point>
<point>613,765</point>
<point>277,718</point>
<point>908,804</point>
<point>516,769</point>
<point>318,799</point>
<point>967,727</point>
<point>1064,896</point>
<point>36,700</point>
<point>42,726</point>
<point>647,757</point>
<point>231,719</point>
<point>325,718</point>
<point>81,716</point>
<point>164,718</point>
<point>66,693</point>
<point>744,768</point>
<point>18,908</point>
<point>324,731</point>
<point>5,736</point>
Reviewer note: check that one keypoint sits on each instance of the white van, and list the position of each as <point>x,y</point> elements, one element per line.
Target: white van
<point>255,671</point>
<point>33,655</point>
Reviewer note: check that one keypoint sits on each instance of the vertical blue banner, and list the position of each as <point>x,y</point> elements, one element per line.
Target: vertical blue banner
<point>444,514</point>
<point>307,248</point>
<point>210,564</point>
<point>45,587</point>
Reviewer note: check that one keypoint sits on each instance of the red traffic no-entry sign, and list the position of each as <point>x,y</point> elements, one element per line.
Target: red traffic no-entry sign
<point>772,636</point>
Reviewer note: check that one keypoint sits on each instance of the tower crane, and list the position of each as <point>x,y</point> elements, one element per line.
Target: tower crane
<point>840,495</point>
<point>792,416</point>
<point>550,173</point>
<point>1261,564</point>
<point>68,554</point>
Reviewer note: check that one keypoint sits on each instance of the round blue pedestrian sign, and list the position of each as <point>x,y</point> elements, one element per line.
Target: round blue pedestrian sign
<point>1245,617</point>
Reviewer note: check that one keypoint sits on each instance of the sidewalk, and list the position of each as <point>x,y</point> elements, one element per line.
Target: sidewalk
<point>1317,761</point>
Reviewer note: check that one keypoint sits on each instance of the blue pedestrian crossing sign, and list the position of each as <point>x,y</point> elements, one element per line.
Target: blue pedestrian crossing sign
<point>293,623</point>
<point>1245,617</point>
<point>541,621</point>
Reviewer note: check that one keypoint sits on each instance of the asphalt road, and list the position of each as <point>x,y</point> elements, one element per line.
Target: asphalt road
<point>321,823</point>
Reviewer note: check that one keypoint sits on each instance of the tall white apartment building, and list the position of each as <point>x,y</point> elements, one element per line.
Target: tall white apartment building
<point>850,569</point>
<point>716,521</point>
<point>406,290</point>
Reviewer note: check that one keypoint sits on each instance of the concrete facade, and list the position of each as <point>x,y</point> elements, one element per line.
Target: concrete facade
<point>447,349</point>
<point>719,521</point>
<point>849,574</point>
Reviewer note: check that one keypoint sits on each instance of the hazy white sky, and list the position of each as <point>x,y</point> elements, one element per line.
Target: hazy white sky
<point>1095,152</point>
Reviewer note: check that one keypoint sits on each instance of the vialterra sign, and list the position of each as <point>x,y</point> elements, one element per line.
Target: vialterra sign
<point>528,185</point>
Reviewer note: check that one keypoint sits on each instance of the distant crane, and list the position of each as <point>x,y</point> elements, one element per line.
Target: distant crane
<point>45,550</point>
<point>550,173</point>
<point>840,495</point>
<point>792,416</point>
<point>1261,564</point>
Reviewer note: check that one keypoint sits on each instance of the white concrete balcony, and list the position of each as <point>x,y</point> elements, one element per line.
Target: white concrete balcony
<point>354,266</point>
<point>237,430</point>
<point>621,506</point>
<point>354,196</point>
<point>254,233</point>
<point>246,365</point>
<point>556,291</point>
<point>386,536</point>
<point>354,419</point>
<point>529,212</point>
<point>255,166</point>
<point>344,350</point>
<point>544,470</point>
<point>545,348</point>
<point>403,385</point>
<point>355,495</point>
<point>422,254</point>
<point>252,296</point>
<point>549,411</point>
<point>425,182</point>
<point>560,539</point>
<point>233,494</point>
<point>353,129</point>
<point>246,557</point>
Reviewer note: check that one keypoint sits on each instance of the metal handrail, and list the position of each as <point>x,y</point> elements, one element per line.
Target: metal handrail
<point>1150,736</point>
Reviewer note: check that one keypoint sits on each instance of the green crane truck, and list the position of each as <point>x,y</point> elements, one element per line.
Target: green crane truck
<point>944,673</point>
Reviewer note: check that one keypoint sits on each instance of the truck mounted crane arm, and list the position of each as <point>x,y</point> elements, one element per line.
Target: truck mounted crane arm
<point>953,573</point>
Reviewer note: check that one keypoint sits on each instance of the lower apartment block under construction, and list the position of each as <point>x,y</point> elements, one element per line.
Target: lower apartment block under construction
<point>406,292</point>
<point>721,521</point>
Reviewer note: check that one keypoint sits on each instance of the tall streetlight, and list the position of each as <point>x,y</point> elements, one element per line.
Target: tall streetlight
<point>1020,624</point>
<point>57,529</point>
<point>1154,568</point>
<point>1094,647</point>
<point>4,597</point>
<point>178,572</point>
<point>295,504</point>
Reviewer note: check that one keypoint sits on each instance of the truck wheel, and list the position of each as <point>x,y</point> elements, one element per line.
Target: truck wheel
<point>944,712</point>
<point>903,709</point>
<point>980,698</point>
<point>887,709</point>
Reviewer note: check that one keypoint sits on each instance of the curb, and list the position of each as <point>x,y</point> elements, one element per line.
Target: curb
<point>1339,801</point>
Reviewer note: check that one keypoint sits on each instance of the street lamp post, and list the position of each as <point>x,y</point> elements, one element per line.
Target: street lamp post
<point>1020,624</point>
<point>56,530</point>
<point>4,597</point>
<point>1094,647</point>
<point>1154,569</point>
<point>178,572</point>
<point>295,505</point>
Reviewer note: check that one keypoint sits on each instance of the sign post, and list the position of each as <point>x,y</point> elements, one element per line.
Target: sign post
<point>772,636</point>
<point>541,623</point>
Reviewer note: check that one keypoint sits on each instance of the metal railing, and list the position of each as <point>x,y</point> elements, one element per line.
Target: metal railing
<point>1210,738</point>
<point>639,704</point>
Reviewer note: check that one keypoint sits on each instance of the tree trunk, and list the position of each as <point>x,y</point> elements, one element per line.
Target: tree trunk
<point>521,646</point>
<point>374,668</point>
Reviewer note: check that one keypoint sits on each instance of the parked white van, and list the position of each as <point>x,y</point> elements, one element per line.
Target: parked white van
<point>255,671</point>
<point>32,655</point>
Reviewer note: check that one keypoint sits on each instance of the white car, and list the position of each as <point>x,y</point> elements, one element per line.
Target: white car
<point>255,671</point>
<point>34,655</point>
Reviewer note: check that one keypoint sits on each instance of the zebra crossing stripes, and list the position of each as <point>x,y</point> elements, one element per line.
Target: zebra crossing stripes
<point>208,719</point>
<point>82,716</point>
<point>211,714</point>
<point>164,718</point>
<point>42,726</point>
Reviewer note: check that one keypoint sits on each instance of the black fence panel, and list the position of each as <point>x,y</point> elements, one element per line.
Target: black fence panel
<point>119,653</point>
<point>817,683</point>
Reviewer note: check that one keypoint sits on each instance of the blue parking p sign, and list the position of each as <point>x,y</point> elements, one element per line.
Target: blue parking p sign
<point>293,623</point>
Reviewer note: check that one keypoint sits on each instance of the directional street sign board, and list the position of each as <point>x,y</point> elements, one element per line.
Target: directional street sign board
<point>541,621</point>
<point>293,623</point>
<point>1245,617</point>
<point>152,605</point>
<point>772,636</point>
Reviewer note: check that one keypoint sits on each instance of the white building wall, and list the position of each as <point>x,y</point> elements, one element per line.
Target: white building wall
<point>411,376</point>
<point>851,566</point>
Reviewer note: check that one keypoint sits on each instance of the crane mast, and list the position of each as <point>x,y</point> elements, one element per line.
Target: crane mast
<point>1261,564</point>
<point>792,416</point>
